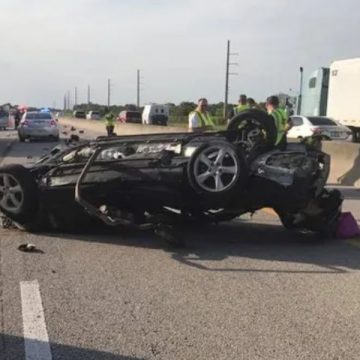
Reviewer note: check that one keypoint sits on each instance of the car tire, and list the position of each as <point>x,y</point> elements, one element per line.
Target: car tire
<point>217,169</point>
<point>18,194</point>
<point>252,129</point>
<point>21,138</point>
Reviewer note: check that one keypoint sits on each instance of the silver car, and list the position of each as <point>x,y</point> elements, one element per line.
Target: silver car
<point>36,124</point>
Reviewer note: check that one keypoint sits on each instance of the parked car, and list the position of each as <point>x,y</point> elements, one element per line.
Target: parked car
<point>35,124</point>
<point>79,114</point>
<point>155,114</point>
<point>304,126</point>
<point>93,115</point>
<point>162,180</point>
<point>127,116</point>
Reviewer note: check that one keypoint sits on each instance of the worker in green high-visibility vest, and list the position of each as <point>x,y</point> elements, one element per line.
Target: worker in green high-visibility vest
<point>109,121</point>
<point>200,119</point>
<point>242,106</point>
<point>281,120</point>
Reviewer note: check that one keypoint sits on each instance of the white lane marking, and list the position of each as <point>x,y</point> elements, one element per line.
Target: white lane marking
<point>36,338</point>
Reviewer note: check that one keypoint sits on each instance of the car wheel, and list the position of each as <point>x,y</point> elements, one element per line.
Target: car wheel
<point>217,169</point>
<point>21,138</point>
<point>252,129</point>
<point>18,193</point>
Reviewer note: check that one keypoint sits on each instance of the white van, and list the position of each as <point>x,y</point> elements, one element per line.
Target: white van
<point>155,114</point>
<point>93,115</point>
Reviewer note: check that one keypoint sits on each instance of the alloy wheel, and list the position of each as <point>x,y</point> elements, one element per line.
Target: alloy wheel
<point>11,193</point>
<point>216,168</point>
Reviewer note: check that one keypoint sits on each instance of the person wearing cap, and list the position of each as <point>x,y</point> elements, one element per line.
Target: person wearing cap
<point>281,120</point>
<point>200,119</point>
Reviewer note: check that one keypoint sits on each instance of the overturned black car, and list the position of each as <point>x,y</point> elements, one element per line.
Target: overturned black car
<point>159,180</point>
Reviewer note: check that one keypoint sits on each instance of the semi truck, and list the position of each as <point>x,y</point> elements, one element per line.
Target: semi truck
<point>335,92</point>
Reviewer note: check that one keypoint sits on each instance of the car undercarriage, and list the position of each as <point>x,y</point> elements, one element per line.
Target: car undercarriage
<point>158,181</point>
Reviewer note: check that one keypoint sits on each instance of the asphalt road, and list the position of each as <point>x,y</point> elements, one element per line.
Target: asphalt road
<point>244,290</point>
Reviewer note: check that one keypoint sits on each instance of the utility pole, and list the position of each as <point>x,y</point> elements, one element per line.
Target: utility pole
<point>138,89</point>
<point>109,93</point>
<point>75,96</point>
<point>88,95</point>
<point>228,54</point>
<point>68,99</point>
<point>300,90</point>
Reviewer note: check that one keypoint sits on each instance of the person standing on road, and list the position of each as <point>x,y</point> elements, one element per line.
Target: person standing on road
<point>200,119</point>
<point>17,118</point>
<point>281,120</point>
<point>109,122</point>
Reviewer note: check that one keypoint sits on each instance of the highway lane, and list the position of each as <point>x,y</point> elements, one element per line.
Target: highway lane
<point>244,290</point>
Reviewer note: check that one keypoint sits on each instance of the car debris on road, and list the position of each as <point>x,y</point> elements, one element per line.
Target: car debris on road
<point>30,248</point>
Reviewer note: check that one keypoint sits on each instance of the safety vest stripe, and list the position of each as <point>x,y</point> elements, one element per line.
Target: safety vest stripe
<point>204,118</point>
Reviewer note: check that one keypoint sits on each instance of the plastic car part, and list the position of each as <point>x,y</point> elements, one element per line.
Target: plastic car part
<point>251,129</point>
<point>217,168</point>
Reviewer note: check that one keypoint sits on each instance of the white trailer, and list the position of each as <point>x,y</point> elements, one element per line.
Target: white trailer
<point>155,114</point>
<point>343,102</point>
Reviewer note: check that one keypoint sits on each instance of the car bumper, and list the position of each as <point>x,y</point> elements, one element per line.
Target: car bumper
<point>48,132</point>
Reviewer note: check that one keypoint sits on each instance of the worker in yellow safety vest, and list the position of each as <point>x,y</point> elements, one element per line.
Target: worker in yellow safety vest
<point>109,122</point>
<point>200,119</point>
<point>281,120</point>
<point>243,105</point>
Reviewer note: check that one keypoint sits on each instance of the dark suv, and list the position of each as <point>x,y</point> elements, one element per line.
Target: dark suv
<point>79,114</point>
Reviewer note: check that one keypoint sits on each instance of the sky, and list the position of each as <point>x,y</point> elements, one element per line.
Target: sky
<point>49,48</point>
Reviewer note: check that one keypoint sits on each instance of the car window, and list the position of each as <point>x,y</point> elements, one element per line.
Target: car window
<point>312,83</point>
<point>43,116</point>
<point>297,121</point>
<point>317,120</point>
